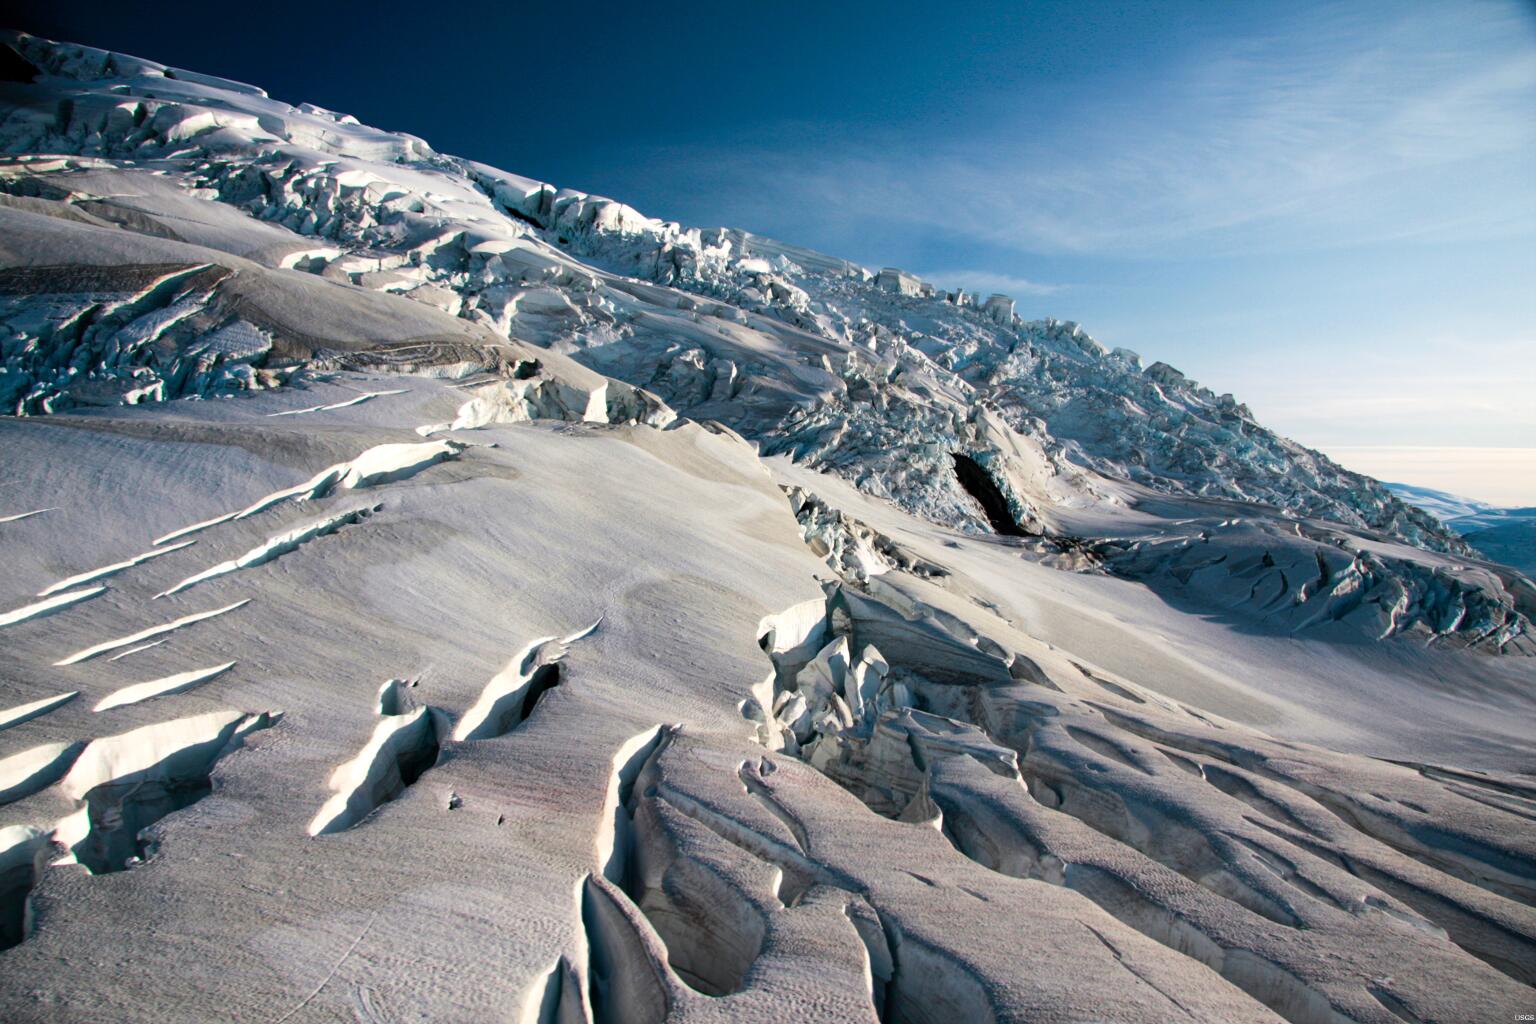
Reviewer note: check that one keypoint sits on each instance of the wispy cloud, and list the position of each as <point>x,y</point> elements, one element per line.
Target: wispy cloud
<point>1338,127</point>
<point>1469,390</point>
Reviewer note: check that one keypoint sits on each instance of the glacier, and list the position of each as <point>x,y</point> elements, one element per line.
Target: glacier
<point>720,630</point>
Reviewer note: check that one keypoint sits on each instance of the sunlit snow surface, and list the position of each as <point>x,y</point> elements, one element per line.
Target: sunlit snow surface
<point>490,603</point>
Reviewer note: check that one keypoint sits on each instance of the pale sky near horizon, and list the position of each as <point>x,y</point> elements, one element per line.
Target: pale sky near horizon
<point>1326,208</point>
<point>1498,476</point>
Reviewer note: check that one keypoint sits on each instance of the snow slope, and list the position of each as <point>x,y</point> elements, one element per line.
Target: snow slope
<point>433,595</point>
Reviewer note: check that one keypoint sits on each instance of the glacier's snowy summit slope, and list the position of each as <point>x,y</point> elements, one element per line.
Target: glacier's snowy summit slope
<point>434,595</point>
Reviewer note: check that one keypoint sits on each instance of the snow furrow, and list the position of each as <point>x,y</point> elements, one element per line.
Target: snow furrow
<point>275,547</point>
<point>401,748</point>
<point>114,568</point>
<point>25,773</point>
<point>127,782</point>
<point>381,464</point>
<point>509,698</point>
<point>17,517</point>
<point>359,400</point>
<point>178,683</point>
<point>27,712</point>
<point>135,650</point>
<point>47,607</point>
<point>148,634</point>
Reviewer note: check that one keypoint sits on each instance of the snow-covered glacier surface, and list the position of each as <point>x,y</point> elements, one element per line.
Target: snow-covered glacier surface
<point>431,594</point>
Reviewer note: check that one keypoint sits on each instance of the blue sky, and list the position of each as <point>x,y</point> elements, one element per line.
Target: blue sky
<point>1328,209</point>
